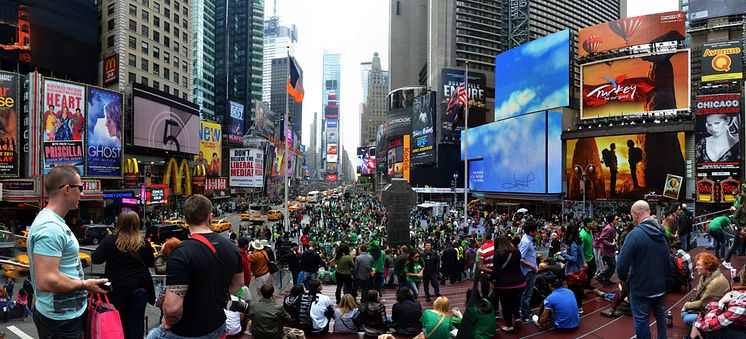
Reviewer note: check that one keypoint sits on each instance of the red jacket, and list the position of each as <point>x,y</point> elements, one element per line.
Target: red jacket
<point>246,268</point>
<point>606,239</point>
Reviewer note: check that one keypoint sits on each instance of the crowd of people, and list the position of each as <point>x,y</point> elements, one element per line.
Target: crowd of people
<point>218,286</point>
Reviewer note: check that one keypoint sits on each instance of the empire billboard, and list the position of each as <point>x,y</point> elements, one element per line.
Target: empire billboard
<point>423,132</point>
<point>636,85</point>
<point>533,77</point>
<point>476,92</point>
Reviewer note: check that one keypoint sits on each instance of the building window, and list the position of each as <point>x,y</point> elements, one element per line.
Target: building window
<point>132,60</point>
<point>176,46</point>
<point>144,31</point>
<point>133,25</point>
<point>156,52</point>
<point>144,64</point>
<point>156,36</point>
<point>110,9</point>
<point>145,15</point>
<point>146,3</point>
<point>144,47</point>
<point>110,41</point>
<point>167,2</point>
<point>176,92</point>
<point>185,37</point>
<point>133,10</point>
<point>166,56</point>
<point>184,51</point>
<point>176,31</point>
<point>185,11</point>
<point>144,80</point>
<point>110,25</point>
<point>176,62</point>
<point>185,24</point>
<point>156,21</point>
<point>156,69</point>
<point>176,17</point>
<point>166,41</point>
<point>176,5</point>
<point>184,66</point>
<point>131,77</point>
<point>166,89</point>
<point>132,42</point>
<point>184,81</point>
<point>156,84</point>
<point>184,96</point>
<point>157,7</point>
<point>167,27</point>
<point>166,73</point>
<point>166,12</point>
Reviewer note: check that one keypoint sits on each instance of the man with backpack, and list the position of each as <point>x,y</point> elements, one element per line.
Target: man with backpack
<point>681,268</point>
<point>610,160</point>
<point>634,156</point>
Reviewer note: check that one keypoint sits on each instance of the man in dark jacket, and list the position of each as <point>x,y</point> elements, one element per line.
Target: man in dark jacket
<point>361,274</point>
<point>430,275</point>
<point>642,259</point>
<point>292,259</point>
<point>399,263</point>
<point>685,227</point>
<point>310,262</point>
<point>267,316</point>
<point>449,264</point>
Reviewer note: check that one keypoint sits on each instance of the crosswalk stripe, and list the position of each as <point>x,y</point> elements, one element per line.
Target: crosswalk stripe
<point>19,333</point>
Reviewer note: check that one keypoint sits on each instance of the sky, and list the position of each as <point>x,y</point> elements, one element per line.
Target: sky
<point>356,29</point>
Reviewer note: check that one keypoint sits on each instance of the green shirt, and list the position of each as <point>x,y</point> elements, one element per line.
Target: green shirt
<point>481,324</point>
<point>345,265</point>
<point>587,238</point>
<point>718,223</point>
<point>430,319</point>
<point>417,268</point>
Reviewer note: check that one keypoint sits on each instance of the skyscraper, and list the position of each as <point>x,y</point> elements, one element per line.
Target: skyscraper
<point>279,97</point>
<point>203,59</point>
<point>374,111</point>
<point>277,39</point>
<point>238,55</point>
<point>330,130</point>
<point>365,68</point>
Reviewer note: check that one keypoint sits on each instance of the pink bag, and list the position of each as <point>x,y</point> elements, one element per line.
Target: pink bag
<point>103,319</point>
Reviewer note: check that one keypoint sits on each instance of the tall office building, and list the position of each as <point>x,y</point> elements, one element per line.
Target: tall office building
<point>238,55</point>
<point>331,77</point>
<point>330,131</point>
<point>203,59</point>
<point>365,68</point>
<point>277,39</point>
<point>311,152</point>
<point>153,40</point>
<point>374,111</point>
<point>279,97</point>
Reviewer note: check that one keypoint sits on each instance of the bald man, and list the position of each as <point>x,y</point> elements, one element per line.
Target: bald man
<point>643,262</point>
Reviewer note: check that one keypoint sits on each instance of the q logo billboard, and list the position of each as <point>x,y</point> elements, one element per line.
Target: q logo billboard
<point>722,61</point>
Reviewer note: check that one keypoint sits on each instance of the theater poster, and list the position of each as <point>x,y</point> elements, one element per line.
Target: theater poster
<point>9,125</point>
<point>717,149</point>
<point>64,124</point>
<point>625,167</point>
<point>104,141</point>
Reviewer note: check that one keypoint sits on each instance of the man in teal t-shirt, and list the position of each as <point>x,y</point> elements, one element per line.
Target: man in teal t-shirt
<point>55,268</point>
<point>586,235</point>
<point>716,229</point>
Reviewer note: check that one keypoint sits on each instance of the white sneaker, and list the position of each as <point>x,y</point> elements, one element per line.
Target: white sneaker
<point>727,265</point>
<point>535,319</point>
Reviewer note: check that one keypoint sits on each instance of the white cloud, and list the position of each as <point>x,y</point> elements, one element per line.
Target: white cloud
<point>558,98</point>
<point>515,103</point>
<point>541,46</point>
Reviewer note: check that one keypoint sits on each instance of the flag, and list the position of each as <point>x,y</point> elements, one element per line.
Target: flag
<point>295,82</point>
<point>457,98</point>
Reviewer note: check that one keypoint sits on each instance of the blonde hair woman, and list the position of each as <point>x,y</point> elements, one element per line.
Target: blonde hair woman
<point>344,315</point>
<point>438,322</point>
<point>127,256</point>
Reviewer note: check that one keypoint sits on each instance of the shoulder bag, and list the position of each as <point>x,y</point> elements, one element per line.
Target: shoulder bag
<point>422,334</point>
<point>271,264</point>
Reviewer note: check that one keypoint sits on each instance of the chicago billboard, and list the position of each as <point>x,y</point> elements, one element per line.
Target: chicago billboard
<point>453,122</point>
<point>246,167</point>
<point>624,166</point>
<point>104,141</point>
<point>168,124</point>
<point>717,140</point>
<point>533,77</point>
<point>722,61</point>
<point>704,9</point>
<point>635,85</point>
<point>516,155</point>
<point>64,124</point>
<point>9,122</point>
<point>638,30</point>
<point>423,132</point>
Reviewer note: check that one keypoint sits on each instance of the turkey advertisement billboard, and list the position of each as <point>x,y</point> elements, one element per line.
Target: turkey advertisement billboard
<point>638,30</point>
<point>624,167</point>
<point>635,85</point>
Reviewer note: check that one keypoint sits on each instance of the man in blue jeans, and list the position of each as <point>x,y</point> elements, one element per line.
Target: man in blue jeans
<point>528,267</point>
<point>645,254</point>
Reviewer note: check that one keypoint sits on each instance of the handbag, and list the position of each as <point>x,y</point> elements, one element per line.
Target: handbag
<point>422,334</point>
<point>271,264</point>
<point>103,319</point>
<point>577,278</point>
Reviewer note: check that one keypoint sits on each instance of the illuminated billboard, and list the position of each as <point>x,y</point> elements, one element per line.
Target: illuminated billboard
<point>635,85</point>
<point>624,167</point>
<point>638,30</point>
<point>717,149</point>
<point>423,131</point>
<point>533,77</point>
<point>722,61</point>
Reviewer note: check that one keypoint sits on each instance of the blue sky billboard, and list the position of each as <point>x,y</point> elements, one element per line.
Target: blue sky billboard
<point>517,155</point>
<point>533,77</point>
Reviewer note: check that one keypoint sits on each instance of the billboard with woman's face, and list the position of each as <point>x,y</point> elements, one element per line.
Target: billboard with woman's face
<point>717,133</point>
<point>104,142</point>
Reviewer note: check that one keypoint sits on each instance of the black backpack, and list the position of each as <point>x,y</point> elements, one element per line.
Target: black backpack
<point>678,274</point>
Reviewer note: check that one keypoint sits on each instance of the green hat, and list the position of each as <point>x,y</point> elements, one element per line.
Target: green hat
<point>374,244</point>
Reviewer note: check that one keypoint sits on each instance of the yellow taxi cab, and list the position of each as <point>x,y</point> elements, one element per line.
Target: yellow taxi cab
<point>21,242</point>
<point>293,207</point>
<point>156,248</point>
<point>176,222</point>
<point>257,213</point>
<point>302,199</point>
<point>85,259</point>
<point>245,216</point>
<point>221,225</point>
<point>13,271</point>
<point>274,215</point>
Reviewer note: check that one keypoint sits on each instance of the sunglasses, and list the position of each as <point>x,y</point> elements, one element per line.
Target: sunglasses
<point>79,187</point>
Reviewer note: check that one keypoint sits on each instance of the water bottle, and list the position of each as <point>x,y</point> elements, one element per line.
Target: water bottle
<point>669,319</point>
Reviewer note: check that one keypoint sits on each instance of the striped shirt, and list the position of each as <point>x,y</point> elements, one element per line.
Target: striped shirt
<point>487,254</point>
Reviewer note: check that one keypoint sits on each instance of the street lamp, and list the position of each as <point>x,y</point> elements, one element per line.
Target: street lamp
<point>584,172</point>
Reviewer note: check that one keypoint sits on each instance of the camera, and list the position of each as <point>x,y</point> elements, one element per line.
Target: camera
<point>237,305</point>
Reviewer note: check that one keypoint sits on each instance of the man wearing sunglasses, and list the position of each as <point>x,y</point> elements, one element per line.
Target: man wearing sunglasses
<point>56,271</point>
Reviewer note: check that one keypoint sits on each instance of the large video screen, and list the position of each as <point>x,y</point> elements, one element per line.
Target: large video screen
<point>533,77</point>
<point>167,127</point>
<point>423,131</point>
<point>703,9</point>
<point>638,30</point>
<point>511,155</point>
<point>366,160</point>
<point>625,167</point>
<point>635,85</point>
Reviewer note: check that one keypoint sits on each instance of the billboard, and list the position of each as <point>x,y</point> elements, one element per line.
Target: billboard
<point>111,69</point>
<point>9,123</point>
<point>453,124</point>
<point>638,30</point>
<point>264,124</point>
<point>395,157</point>
<point>332,152</point>
<point>703,9</point>
<point>64,124</point>
<point>246,167</point>
<point>624,166</point>
<point>717,138</point>
<point>210,148</point>
<point>104,141</point>
<point>634,85</point>
<point>331,123</point>
<point>381,148</point>
<point>533,77</point>
<point>366,160</point>
<point>423,132</point>
<point>722,61</point>
<point>236,124</point>
<point>168,124</point>
<point>525,160</point>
